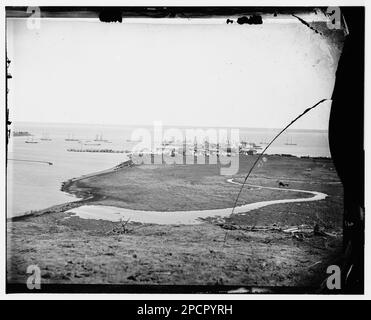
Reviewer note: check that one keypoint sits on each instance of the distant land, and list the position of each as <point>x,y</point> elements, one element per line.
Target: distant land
<point>21,134</point>
<point>18,123</point>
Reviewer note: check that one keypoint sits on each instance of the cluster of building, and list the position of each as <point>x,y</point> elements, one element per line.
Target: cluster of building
<point>171,148</point>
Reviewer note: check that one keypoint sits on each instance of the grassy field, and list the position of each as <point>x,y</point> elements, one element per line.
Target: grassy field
<point>89,251</point>
<point>198,187</point>
<point>77,250</point>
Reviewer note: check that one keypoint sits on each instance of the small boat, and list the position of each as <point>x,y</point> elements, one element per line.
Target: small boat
<point>167,142</point>
<point>91,144</point>
<point>250,145</point>
<point>31,141</point>
<point>134,140</point>
<point>255,146</point>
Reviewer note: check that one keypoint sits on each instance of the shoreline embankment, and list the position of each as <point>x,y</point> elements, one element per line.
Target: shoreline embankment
<point>84,196</point>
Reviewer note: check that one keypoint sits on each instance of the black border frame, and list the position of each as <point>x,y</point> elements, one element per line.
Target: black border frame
<point>351,66</point>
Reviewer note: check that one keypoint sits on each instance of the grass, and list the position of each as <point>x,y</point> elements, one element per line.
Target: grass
<point>75,250</point>
<point>197,187</point>
<point>82,252</point>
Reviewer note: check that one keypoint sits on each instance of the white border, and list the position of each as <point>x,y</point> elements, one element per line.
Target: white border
<point>31,296</point>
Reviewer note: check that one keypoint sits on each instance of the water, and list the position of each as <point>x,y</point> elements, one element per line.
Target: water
<point>35,186</point>
<point>313,143</point>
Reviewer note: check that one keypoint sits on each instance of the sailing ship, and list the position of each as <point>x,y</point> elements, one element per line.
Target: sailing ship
<point>71,138</point>
<point>290,143</point>
<point>99,138</point>
<point>45,137</point>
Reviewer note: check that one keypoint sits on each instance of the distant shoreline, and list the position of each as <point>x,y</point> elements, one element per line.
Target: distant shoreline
<point>164,126</point>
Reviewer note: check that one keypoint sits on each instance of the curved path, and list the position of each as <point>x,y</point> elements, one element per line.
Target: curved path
<point>184,217</point>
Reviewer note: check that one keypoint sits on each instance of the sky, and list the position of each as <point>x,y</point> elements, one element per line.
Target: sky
<point>183,74</point>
